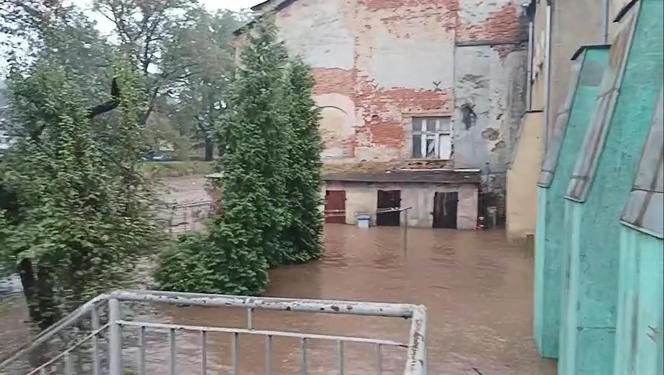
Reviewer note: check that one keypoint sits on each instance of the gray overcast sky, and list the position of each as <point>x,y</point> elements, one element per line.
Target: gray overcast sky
<point>105,26</point>
<point>210,4</point>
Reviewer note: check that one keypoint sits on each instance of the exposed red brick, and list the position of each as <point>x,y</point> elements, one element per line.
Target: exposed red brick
<point>393,4</point>
<point>333,80</point>
<point>383,110</point>
<point>502,25</point>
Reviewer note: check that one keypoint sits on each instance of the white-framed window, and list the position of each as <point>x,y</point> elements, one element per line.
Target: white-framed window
<point>432,138</point>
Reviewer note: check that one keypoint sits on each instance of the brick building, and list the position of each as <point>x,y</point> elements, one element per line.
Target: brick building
<point>421,99</point>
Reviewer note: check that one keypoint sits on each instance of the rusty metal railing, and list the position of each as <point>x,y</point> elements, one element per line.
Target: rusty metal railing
<point>184,217</point>
<point>112,332</point>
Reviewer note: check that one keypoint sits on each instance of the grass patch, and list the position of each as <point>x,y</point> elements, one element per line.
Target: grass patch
<point>155,170</point>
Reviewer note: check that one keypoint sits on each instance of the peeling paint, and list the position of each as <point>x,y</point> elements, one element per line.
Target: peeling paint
<point>380,63</point>
<point>490,134</point>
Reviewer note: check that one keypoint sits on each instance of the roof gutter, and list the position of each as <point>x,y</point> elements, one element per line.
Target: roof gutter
<point>547,73</point>
<point>606,10</point>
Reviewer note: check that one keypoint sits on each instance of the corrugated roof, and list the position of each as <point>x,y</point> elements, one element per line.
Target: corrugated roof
<point>439,177</point>
<point>644,210</point>
<point>586,166</point>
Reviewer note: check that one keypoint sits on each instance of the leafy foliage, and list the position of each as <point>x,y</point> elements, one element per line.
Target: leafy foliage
<point>83,207</point>
<point>32,29</point>
<point>145,30</point>
<point>200,99</point>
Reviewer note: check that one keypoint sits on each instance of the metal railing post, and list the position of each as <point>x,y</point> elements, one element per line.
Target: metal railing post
<point>94,317</point>
<point>416,348</point>
<point>142,342</point>
<point>203,353</point>
<point>172,359</point>
<point>115,338</point>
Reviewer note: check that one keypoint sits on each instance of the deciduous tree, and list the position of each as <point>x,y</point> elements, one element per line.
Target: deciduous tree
<point>82,217</point>
<point>144,29</point>
<point>200,99</point>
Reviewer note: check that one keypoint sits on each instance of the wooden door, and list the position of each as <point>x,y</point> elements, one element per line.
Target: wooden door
<point>335,206</point>
<point>389,199</point>
<point>445,210</point>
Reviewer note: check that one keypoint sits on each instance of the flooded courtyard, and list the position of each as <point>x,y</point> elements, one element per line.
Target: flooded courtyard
<point>477,290</point>
<point>476,287</point>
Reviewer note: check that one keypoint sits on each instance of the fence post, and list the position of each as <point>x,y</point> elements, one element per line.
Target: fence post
<point>94,317</point>
<point>405,230</point>
<point>115,338</point>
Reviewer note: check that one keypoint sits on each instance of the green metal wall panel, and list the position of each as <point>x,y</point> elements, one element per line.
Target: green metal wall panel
<point>571,126</point>
<point>588,340</point>
<point>639,324</point>
<point>570,287</point>
<point>640,282</point>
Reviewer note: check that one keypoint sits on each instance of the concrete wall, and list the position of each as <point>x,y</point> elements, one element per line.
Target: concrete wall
<point>575,23</point>
<point>490,87</point>
<point>639,324</point>
<point>363,198</point>
<point>379,63</point>
<point>521,205</point>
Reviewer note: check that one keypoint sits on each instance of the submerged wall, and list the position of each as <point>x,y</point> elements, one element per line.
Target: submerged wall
<point>640,288</point>
<point>362,197</point>
<point>521,200</point>
<point>639,334</point>
<point>570,128</point>
<point>598,190</point>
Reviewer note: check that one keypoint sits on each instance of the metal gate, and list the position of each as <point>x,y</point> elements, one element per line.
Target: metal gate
<point>104,343</point>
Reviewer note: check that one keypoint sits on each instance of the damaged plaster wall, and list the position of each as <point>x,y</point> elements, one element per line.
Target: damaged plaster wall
<point>374,62</point>
<point>379,63</point>
<point>490,91</point>
<point>322,33</point>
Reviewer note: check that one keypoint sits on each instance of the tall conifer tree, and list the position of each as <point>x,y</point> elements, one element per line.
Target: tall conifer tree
<point>303,181</point>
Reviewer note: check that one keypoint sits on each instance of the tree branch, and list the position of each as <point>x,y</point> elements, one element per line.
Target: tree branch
<point>151,101</point>
<point>109,105</point>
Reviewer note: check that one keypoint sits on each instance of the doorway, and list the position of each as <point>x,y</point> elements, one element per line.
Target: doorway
<point>335,206</point>
<point>389,199</point>
<point>445,210</point>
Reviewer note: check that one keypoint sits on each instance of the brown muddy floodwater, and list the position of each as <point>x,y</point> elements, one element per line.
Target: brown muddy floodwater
<point>477,289</point>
